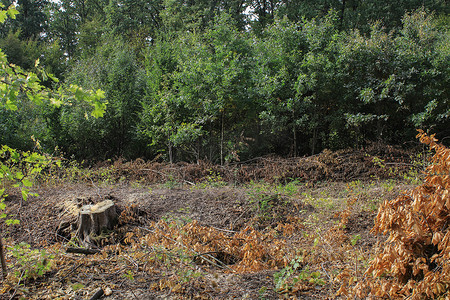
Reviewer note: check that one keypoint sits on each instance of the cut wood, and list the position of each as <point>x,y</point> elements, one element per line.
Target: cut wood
<point>97,294</point>
<point>82,251</point>
<point>95,219</point>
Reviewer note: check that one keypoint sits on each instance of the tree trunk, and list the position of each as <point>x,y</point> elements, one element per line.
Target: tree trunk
<point>294,130</point>
<point>170,146</point>
<point>342,14</point>
<point>221,141</point>
<point>95,219</point>
<point>314,141</point>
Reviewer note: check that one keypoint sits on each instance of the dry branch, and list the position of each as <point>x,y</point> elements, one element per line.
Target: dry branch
<point>97,294</point>
<point>82,251</point>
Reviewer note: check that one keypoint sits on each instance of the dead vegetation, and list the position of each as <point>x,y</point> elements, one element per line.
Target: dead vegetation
<point>265,229</point>
<point>375,162</point>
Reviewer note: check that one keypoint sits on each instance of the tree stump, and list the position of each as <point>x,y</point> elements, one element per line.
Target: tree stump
<point>95,219</point>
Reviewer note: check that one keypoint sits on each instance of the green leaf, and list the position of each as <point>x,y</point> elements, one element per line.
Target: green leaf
<point>19,175</point>
<point>27,183</point>
<point>99,94</point>
<point>24,194</point>
<point>10,105</point>
<point>99,109</point>
<point>12,12</point>
<point>3,16</point>
<point>53,77</point>
<point>77,286</point>
<point>12,222</point>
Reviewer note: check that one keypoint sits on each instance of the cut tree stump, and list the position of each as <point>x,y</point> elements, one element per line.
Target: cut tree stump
<point>95,219</point>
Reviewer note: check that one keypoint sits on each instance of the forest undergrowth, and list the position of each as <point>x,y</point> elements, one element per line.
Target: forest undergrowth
<point>335,225</point>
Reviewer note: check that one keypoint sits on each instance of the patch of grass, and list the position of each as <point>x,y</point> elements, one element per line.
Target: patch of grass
<point>213,180</point>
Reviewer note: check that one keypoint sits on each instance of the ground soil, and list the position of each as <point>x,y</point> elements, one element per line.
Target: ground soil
<point>49,221</point>
<point>51,218</point>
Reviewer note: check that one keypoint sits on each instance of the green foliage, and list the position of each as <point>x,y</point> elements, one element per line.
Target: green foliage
<point>77,286</point>
<point>135,19</point>
<point>30,263</point>
<point>28,19</point>
<point>128,275</point>
<point>10,12</point>
<point>116,72</point>
<point>199,84</point>
<point>193,80</point>
<point>23,53</point>
<point>286,279</point>
<point>19,168</point>
<point>355,239</point>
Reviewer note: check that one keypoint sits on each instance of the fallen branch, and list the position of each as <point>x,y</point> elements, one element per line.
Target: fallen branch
<point>70,272</point>
<point>82,251</point>
<point>97,294</point>
<point>226,230</point>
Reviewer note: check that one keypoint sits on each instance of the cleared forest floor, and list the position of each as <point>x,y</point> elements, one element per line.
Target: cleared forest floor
<point>205,236</point>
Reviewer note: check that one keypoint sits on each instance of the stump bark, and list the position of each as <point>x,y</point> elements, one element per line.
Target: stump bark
<point>95,219</point>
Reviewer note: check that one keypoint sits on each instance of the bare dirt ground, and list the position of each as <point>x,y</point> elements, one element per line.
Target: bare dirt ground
<point>50,219</point>
<point>200,237</point>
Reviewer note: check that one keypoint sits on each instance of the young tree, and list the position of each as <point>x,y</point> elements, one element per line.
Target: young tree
<point>398,81</point>
<point>13,84</point>
<point>200,91</point>
<point>114,68</point>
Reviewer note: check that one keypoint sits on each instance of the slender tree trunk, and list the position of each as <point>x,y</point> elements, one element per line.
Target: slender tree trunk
<point>3,261</point>
<point>197,151</point>
<point>170,146</point>
<point>314,139</point>
<point>342,13</point>
<point>294,131</point>
<point>211,143</point>
<point>221,141</point>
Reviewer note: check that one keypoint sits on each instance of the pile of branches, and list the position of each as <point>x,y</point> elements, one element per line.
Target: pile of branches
<point>343,165</point>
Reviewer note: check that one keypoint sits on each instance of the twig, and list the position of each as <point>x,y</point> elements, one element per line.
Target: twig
<point>164,174</point>
<point>16,288</point>
<point>131,261</point>
<point>325,271</point>
<point>98,189</point>
<point>326,242</point>
<point>399,164</point>
<point>71,271</point>
<point>195,252</point>
<point>226,230</point>
<point>134,294</point>
<point>57,234</point>
<point>240,216</point>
